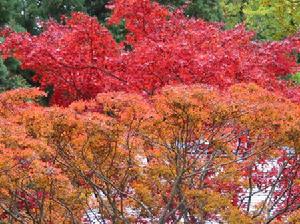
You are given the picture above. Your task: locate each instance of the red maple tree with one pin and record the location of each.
(80, 57)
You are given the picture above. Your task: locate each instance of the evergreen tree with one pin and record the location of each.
(97, 8)
(8, 80)
(6, 11)
(209, 10)
(56, 8)
(3, 76)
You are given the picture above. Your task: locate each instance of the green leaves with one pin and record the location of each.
(6, 11)
(296, 78)
(271, 19)
(9, 80)
(209, 10)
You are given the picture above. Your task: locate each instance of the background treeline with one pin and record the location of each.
(270, 19)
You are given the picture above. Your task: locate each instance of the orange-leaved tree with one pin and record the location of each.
(188, 154)
(33, 189)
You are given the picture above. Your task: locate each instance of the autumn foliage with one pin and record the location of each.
(183, 121)
(191, 153)
(81, 58)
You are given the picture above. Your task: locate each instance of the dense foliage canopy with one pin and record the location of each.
(191, 153)
(81, 58)
(271, 20)
(154, 117)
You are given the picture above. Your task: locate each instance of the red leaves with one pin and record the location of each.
(143, 18)
(74, 58)
(80, 59)
(29, 200)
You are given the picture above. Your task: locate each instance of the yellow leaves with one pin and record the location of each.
(294, 136)
(215, 203)
(162, 171)
(143, 191)
(294, 218)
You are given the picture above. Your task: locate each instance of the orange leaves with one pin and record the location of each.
(295, 217)
(14, 100)
(187, 147)
(182, 152)
(21, 95)
(28, 167)
(123, 106)
(272, 115)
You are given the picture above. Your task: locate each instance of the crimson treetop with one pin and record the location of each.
(80, 57)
